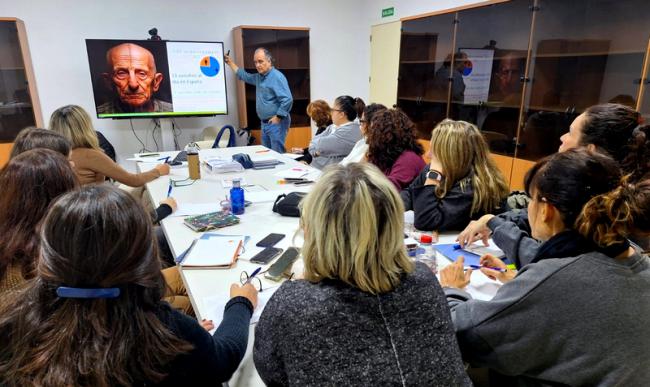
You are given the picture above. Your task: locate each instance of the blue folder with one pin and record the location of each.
(447, 249)
(452, 254)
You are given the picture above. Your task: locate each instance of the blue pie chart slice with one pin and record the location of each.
(209, 66)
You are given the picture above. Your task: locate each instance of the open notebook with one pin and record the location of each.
(213, 252)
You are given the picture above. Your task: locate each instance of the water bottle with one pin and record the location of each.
(237, 197)
(193, 161)
(426, 254)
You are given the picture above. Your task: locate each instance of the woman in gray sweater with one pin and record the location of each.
(579, 314)
(364, 314)
(336, 142)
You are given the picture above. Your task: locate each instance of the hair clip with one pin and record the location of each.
(67, 292)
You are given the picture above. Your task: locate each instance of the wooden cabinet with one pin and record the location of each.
(424, 70)
(522, 70)
(19, 106)
(289, 47)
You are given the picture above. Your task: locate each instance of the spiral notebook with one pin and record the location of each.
(213, 252)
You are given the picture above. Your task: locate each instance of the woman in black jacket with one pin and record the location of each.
(93, 316)
(461, 183)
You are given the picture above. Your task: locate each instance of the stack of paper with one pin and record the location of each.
(214, 306)
(219, 165)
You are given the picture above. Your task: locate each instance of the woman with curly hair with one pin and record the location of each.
(393, 147)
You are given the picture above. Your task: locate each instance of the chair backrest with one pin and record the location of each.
(225, 138)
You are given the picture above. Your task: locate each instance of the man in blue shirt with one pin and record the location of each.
(273, 98)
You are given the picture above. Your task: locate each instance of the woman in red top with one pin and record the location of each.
(393, 147)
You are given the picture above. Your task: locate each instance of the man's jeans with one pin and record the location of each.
(273, 135)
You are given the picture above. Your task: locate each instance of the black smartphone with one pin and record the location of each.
(265, 256)
(180, 157)
(270, 240)
(283, 264)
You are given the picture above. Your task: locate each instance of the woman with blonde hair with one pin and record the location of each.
(91, 164)
(364, 314)
(461, 183)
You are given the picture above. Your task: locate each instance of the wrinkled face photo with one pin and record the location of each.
(133, 74)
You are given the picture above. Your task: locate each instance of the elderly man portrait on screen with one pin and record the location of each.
(133, 79)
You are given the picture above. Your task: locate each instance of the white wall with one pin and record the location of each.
(406, 8)
(56, 31)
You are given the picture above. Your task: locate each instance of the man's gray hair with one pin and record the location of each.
(266, 52)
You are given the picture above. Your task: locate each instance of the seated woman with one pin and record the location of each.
(32, 138)
(319, 112)
(393, 147)
(358, 153)
(582, 307)
(611, 129)
(364, 314)
(461, 183)
(30, 181)
(91, 164)
(94, 314)
(338, 139)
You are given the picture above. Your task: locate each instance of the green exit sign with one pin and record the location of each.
(386, 12)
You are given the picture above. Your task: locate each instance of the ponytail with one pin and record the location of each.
(351, 107)
(359, 106)
(608, 219)
(637, 161)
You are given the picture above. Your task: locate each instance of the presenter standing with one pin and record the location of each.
(273, 98)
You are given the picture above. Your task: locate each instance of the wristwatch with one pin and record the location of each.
(435, 176)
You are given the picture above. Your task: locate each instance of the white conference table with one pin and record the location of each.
(257, 221)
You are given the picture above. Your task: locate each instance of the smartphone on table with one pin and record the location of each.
(283, 265)
(270, 240)
(265, 256)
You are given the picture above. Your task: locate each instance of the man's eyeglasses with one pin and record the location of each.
(362, 121)
(182, 183)
(256, 282)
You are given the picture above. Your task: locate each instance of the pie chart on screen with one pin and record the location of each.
(209, 66)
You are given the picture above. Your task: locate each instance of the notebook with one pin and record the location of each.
(213, 252)
(210, 221)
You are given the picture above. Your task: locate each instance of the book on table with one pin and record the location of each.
(210, 221)
(213, 253)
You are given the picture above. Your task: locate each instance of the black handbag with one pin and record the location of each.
(287, 204)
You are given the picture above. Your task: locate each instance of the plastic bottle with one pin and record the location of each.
(237, 197)
(426, 253)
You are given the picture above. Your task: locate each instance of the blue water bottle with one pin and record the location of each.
(237, 197)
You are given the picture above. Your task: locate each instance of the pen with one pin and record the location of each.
(253, 275)
(169, 190)
(487, 267)
(457, 246)
(164, 158)
(263, 151)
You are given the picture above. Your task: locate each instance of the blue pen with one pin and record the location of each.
(169, 190)
(164, 158)
(487, 267)
(253, 275)
(457, 246)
